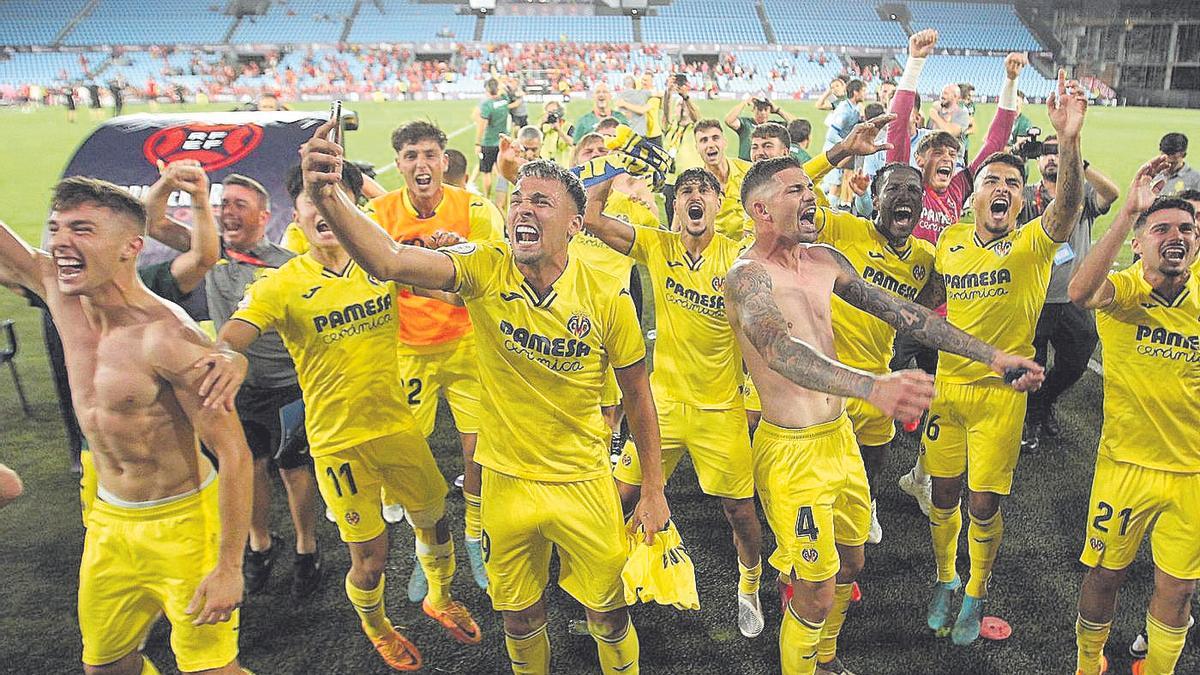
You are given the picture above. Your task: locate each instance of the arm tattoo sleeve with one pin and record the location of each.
(1062, 215)
(749, 291)
(907, 317)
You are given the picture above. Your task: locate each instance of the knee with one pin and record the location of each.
(1105, 580)
(524, 621)
(850, 567)
(946, 492)
(1177, 592)
(608, 625)
(130, 663)
(739, 511)
(984, 505)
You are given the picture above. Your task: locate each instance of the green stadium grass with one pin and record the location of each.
(1034, 587)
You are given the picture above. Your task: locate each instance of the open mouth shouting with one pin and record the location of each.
(69, 267)
(809, 215)
(695, 210)
(423, 180)
(998, 207)
(526, 235)
(323, 227)
(1174, 252)
(902, 214)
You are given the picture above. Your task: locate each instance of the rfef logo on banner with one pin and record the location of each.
(215, 146)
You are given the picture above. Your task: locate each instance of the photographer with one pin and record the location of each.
(556, 134)
(1069, 328)
(744, 126)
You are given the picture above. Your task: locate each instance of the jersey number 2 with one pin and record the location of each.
(1106, 514)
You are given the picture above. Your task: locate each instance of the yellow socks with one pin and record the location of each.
(944, 525)
(618, 655)
(148, 668)
(438, 562)
(798, 644)
(369, 605)
(748, 577)
(827, 647)
(472, 529)
(983, 543)
(1090, 638)
(530, 654)
(1164, 646)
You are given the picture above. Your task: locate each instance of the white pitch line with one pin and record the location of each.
(392, 165)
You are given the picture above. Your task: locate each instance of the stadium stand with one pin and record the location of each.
(560, 28)
(831, 22)
(296, 21)
(130, 22)
(779, 72)
(404, 21)
(975, 26)
(985, 72)
(35, 23)
(686, 21)
(50, 68)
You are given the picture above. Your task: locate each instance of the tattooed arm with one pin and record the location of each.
(922, 324)
(749, 298)
(748, 291)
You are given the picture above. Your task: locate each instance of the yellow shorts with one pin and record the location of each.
(717, 441)
(1128, 499)
(400, 465)
(974, 429)
(813, 488)
(871, 427)
(524, 519)
(610, 391)
(452, 369)
(88, 483)
(750, 396)
(138, 562)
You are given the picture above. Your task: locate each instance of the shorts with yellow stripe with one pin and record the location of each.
(813, 488)
(1128, 499)
(141, 561)
(717, 441)
(451, 370)
(400, 465)
(523, 520)
(974, 429)
(872, 427)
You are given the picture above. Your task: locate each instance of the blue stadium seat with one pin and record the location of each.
(985, 72)
(832, 22)
(558, 28)
(296, 21)
(35, 23)
(689, 21)
(405, 21)
(163, 22)
(976, 26)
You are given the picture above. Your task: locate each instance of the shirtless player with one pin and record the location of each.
(162, 537)
(807, 468)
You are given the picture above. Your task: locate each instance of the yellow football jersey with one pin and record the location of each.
(864, 341)
(1151, 374)
(542, 362)
(696, 357)
(994, 291)
(341, 331)
(732, 220)
(293, 239)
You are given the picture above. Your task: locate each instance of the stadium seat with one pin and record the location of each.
(980, 26)
(985, 72)
(35, 23)
(132, 22)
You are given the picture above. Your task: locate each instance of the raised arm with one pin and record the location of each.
(1000, 129)
(615, 232)
(371, 247)
(920, 46)
(20, 263)
(1106, 189)
(1066, 108)
(173, 350)
(731, 118)
(925, 326)
(749, 296)
(1090, 287)
(861, 140)
(203, 245)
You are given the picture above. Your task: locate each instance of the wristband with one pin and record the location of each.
(912, 72)
(1008, 95)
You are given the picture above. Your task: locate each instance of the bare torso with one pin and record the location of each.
(802, 287)
(143, 445)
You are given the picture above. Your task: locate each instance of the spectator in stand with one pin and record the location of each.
(744, 126)
(1178, 176)
(800, 132)
(601, 108)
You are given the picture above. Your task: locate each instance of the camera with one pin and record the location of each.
(680, 79)
(554, 117)
(1032, 147)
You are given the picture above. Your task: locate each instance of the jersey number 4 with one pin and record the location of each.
(806, 526)
(345, 472)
